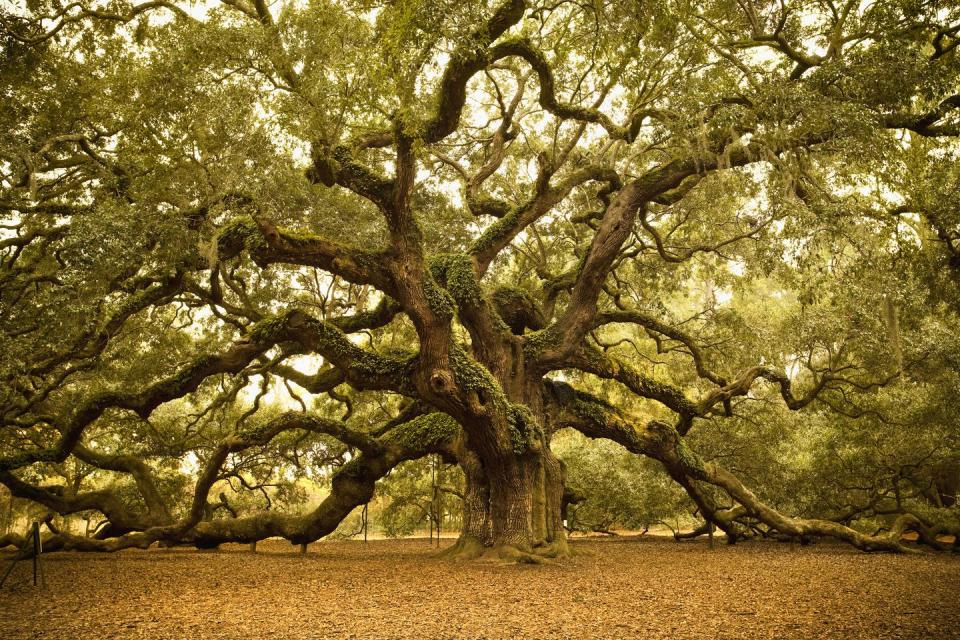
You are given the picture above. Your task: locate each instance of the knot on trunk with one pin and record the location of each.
(441, 381)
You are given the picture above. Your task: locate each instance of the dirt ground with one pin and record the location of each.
(620, 588)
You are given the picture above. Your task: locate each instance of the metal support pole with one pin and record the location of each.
(37, 550)
(433, 497)
(434, 510)
(437, 498)
(364, 518)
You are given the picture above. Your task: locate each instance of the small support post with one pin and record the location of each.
(710, 527)
(434, 505)
(37, 550)
(253, 547)
(303, 548)
(433, 482)
(363, 519)
(439, 497)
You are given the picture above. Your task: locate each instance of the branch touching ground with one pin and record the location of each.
(351, 486)
(597, 419)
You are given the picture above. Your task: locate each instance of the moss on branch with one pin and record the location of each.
(425, 433)
(455, 271)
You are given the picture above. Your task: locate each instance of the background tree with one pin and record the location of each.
(246, 241)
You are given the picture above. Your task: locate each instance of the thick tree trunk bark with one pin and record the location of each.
(513, 504)
(476, 534)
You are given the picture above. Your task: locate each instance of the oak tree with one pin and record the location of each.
(247, 236)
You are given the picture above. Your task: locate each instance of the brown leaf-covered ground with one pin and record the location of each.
(622, 588)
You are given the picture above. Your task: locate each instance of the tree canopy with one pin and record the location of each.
(246, 243)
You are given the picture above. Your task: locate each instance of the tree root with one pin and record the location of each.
(513, 554)
(465, 548)
(556, 549)
(468, 548)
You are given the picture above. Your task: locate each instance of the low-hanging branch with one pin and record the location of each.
(351, 486)
(657, 440)
(363, 369)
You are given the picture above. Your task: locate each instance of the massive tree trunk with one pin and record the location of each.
(512, 506)
(514, 483)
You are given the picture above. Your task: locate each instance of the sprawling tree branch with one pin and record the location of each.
(660, 441)
(269, 245)
(351, 486)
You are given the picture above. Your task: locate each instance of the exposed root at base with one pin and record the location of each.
(510, 553)
(555, 549)
(465, 548)
(469, 548)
